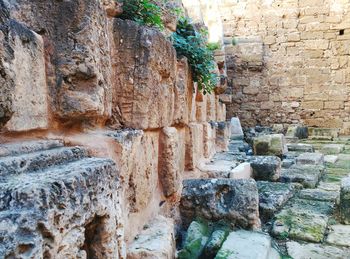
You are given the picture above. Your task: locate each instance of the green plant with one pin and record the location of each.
(213, 46)
(192, 44)
(145, 12)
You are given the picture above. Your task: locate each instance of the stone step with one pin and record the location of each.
(61, 201)
(316, 251)
(247, 245)
(155, 241)
(272, 197)
(298, 147)
(12, 149)
(303, 219)
(40, 160)
(307, 175)
(26, 190)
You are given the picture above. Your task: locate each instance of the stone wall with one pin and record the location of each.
(72, 72)
(289, 62)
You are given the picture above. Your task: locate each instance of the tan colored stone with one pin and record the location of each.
(209, 138)
(171, 160)
(144, 92)
(24, 92)
(182, 95)
(194, 145)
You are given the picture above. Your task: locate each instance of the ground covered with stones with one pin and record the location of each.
(303, 192)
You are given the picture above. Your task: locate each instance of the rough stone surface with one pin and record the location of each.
(310, 159)
(323, 133)
(24, 92)
(25, 147)
(235, 201)
(318, 195)
(194, 145)
(182, 93)
(196, 238)
(345, 200)
(331, 159)
(303, 148)
(239, 244)
(272, 196)
(78, 57)
(218, 169)
(222, 135)
(307, 175)
(145, 78)
(236, 129)
(155, 241)
(297, 131)
(80, 223)
(242, 171)
(330, 149)
(266, 168)
(171, 160)
(303, 220)
(339, 235)
(209, 139)
(270, 145)
(307, 251)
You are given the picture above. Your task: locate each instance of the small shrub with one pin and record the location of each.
(214, 46)
(145, 12)
(192, 44)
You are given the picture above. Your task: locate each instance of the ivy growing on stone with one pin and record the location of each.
(192, 44)
(144, 12)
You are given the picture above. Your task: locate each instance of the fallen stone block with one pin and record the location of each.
(157, 240)
(331, 149)
(319, 251)
(318, 195)
(345, 201)
(234, 201)
(303, 220)
(218, 168)
(215, 242)
(242, 171)
(273, 144)
(330, 159)
(272, 197)
(246, 244)
(339, 235)
(302, 148)
(307, 175)
(266, 168)
(323, 133)
(196, 238)
(236, 129)
(287, 163)
(297, 131)
(310, 159)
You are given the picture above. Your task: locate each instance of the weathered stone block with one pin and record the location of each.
(245, 244)
(211, 107)
(298, 147)
(266, 168)
(310, 159)
(272, 196)
(155, 241)
(345, 201)
(333, 148)
(236, 129)
(182, 95)
(242, 171)
(297, 131)
(144, 92)
(222, 136)
(307, 175)
(235, 201)
(220, 110)
(24, 92)
(209, 138)
(218, 169)
(171, 158)
(273, 144)
(323, 133)
(194, 145)
(339, 235)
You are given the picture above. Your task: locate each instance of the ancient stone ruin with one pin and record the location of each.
(112, 146)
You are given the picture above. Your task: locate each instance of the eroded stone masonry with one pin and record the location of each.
(109, 150)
